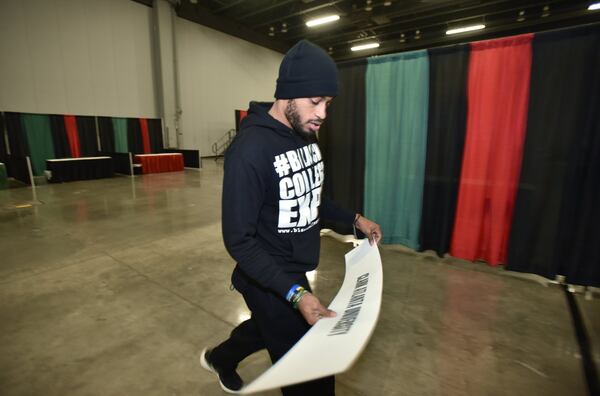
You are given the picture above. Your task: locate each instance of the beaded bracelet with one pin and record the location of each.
(297, 297)
(358, 215)
(295, 294)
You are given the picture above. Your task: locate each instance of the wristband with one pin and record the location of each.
(293, 290)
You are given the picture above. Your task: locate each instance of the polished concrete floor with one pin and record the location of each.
(112, 287)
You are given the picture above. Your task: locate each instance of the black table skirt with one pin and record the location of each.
(63, 170)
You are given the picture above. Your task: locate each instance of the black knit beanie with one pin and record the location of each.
(306, 71)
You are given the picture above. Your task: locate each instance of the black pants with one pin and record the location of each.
(274, 325)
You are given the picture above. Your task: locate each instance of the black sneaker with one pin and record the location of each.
(230, 380)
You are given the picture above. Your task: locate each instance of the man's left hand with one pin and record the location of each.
(371, 229)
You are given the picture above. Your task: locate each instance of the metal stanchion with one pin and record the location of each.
(31, 179)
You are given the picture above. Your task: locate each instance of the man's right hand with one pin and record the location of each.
(312, 310)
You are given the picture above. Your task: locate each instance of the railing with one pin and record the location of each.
(219, 147)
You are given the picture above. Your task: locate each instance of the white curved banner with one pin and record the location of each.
(333, 344)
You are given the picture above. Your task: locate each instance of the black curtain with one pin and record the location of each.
(134, 136)
(155, 134)
(446, 130)
(3, 152)
(16, 134)
(88, 142)
(62, 149)
(556, 221)
(191, 158)
(107, 134)
(342, 142)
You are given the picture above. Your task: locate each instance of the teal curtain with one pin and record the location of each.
(396, 139)
(39, 139)
(120, 131)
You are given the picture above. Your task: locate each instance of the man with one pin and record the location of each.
(271, 209)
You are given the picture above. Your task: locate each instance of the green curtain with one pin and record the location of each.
(39, 139)
(396, 139)
(120, 131)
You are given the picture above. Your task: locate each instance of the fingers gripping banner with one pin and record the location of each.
(333, 344)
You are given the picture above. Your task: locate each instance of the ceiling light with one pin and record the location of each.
(364, 46)
(271, 31)
(368, 6)
(322, 20)
(545, 11)
(594, 7)
(465, 29)
(521, 17)
(417, 34)
(284, 27)
(402, 38)
(387, 3)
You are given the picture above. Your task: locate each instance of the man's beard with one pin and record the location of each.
(291, 113)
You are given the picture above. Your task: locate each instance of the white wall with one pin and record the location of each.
(218, 74)
(86, 57)
(95, 57)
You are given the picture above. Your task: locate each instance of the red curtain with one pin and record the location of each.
(72, 135)
(239, 116)
(498, 95)
(145, 135)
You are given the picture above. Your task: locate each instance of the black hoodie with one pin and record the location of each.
(272, 201)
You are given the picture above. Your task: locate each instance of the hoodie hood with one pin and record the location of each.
(258, 116)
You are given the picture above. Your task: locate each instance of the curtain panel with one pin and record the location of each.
(342, 142)
(445, 143)
(16, 134)
(155, 134)
(498, 95)
(397, 89)
(38, 134)
(88, 139)
(555, 226)
(145, 136)
(59, 136)
(3, 148)
(120, 131)
(134, 136)
(107, 135)
(72, 135)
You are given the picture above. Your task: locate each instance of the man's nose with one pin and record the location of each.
(322, 111)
